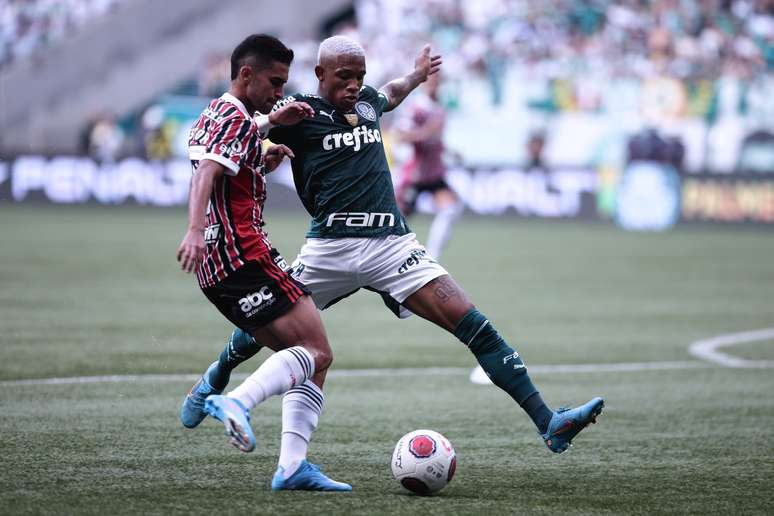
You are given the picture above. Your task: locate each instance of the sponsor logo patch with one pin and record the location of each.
(234, 149)
(416, 256)
(297, 269)
(366, 110)
(257, 301)
(211, 234)
(283, 102)
(517, 362)
(212, 114)
(281, 263)
(356, 139)
(362, 219)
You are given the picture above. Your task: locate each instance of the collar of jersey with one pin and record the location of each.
(228, 97)
(320, 97)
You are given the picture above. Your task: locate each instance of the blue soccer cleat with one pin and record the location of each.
(307, 477)
(236, 419)
(566, 423)
(192, 412)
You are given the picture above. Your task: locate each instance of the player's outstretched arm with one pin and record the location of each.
(425, 65)
(191, 250)
(290, 114)
(287, 114)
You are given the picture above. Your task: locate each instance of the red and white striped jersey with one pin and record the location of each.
(227, 134)
(426, 165)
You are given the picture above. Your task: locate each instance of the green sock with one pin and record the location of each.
(503, 365)
(240, 347)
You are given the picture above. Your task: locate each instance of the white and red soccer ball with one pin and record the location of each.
(424, 461)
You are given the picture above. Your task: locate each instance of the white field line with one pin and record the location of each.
(703, 349)
(364, 373)
(707, 349)
(478, 376)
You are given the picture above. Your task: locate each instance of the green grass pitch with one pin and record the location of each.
(97, 291)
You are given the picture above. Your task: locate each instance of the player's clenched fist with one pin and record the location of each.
(191, 250)
(291, 114)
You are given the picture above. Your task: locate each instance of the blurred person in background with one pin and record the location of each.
(535, 146)
(422, 126)
(106, 139)
(157, 134)
(214, 76)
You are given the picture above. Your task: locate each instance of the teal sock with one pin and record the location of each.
(503, 365)
(240, 347)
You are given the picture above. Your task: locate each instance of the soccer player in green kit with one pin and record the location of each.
(359, 239)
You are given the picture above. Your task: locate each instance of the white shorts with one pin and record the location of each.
(393, 266)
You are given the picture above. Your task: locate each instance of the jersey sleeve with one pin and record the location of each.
(228, 144)
(281, 133)
(377, 98)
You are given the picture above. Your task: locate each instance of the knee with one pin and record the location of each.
(324, 359)
(322, 354)
(458, 312)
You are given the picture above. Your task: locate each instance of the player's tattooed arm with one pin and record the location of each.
(425, 65)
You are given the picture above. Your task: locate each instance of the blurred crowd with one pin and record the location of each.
(562, 38)
(642, 63)
(27, 25)
(579, 47)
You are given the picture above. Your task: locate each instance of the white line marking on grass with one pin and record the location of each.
(115, 378)
(478, 376)
(187, 377)
(368, 373)
(707, 349)
(619, 367)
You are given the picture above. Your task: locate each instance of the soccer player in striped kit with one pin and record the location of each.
(237, 268)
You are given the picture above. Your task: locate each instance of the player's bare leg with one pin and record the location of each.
(301, 348)
(297, 369)
(443, 302)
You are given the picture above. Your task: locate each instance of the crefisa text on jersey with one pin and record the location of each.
(351, 139)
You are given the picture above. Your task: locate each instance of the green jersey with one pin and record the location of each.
(340, 170)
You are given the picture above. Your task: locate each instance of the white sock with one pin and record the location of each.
(440, 229)
(280, 372)
(301, 408)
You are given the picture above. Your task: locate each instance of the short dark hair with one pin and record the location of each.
(264, 49)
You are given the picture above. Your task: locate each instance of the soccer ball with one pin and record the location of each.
(423, 462)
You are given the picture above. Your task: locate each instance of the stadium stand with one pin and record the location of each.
(124, 58)
(580, 66)
(587, 74)
(29, 26)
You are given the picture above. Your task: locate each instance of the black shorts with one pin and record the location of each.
(410, 193)
(432, 187)
(257, 293)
